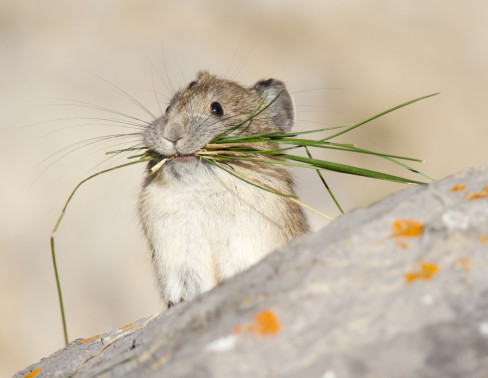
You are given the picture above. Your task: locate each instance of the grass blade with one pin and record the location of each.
(260, 185)
(249, 180)
(53, 232)
(325, 165)
(325, 183)
(342, 168)
(380, 115)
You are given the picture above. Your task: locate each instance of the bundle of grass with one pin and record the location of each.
(277, 147)
(230, 147)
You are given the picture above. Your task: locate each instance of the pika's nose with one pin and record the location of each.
(173, 133)
(174, 141)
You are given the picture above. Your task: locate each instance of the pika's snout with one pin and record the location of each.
(173, 132)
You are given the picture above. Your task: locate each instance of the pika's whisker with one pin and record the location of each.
(125, 95)
(88, 105)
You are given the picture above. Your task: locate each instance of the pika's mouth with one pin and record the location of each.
(186, 158)
(160, 160)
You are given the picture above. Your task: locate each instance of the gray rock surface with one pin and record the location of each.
(352, 300)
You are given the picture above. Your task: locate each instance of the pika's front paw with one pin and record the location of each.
(171, 303)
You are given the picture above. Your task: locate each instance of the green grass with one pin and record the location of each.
(227, 148)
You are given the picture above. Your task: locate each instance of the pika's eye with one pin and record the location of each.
(216, 109)
(191, 84)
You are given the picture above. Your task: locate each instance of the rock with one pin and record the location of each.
(398, 289)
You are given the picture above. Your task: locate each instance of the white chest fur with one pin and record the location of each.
(203, 231)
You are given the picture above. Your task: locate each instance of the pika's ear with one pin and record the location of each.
(202, 75)
(281, 111)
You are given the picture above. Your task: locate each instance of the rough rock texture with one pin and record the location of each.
(363, 297)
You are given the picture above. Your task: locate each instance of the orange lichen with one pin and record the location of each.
(33, 373)
(426, 272)
(484, 239)
(402, 245)
(406, 228)
(89, 339)
(480, 195)
(266, 323)
(458, 188)
(127, 326)
(465, 263)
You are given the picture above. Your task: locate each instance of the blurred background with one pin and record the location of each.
(342, 61)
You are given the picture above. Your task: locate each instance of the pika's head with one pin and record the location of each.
(209, 106)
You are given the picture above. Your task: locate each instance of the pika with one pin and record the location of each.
(202, 224)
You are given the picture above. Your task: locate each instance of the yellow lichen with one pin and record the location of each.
(89, 339)
(457, 188)
(406, 228)
(33, 373)
(402, 245)
(426, 272)
(266, 323)
(479, 195)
